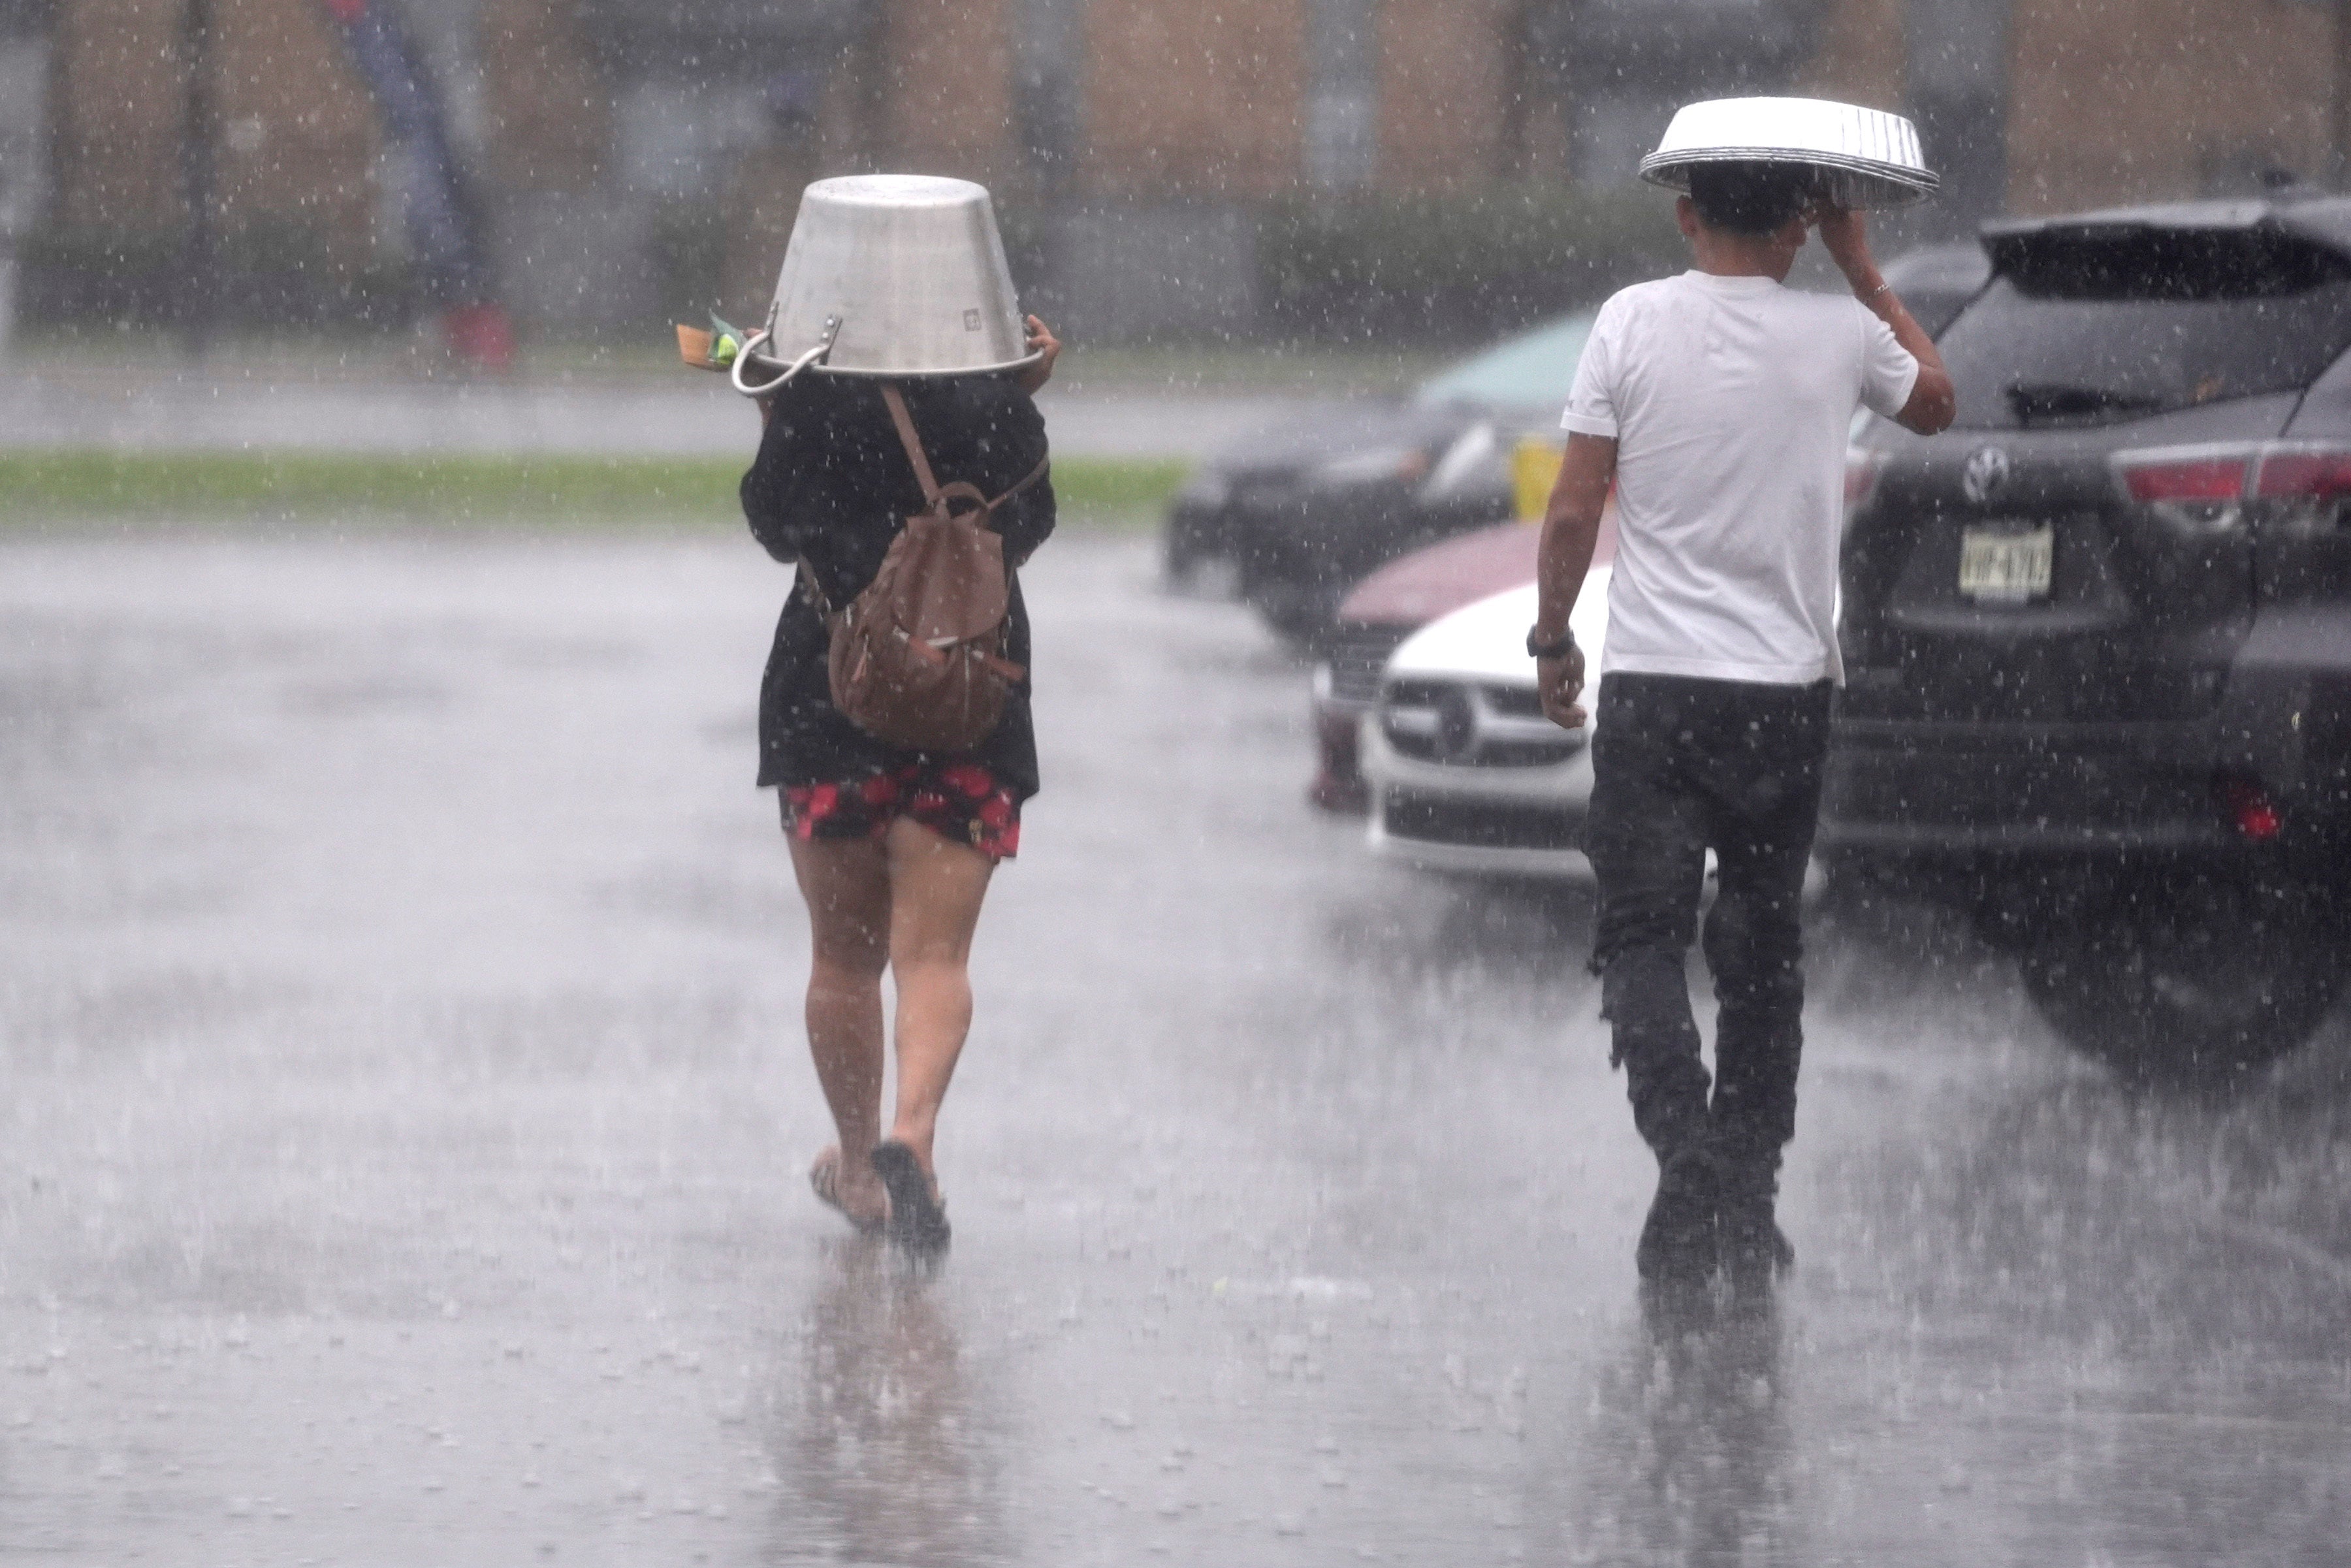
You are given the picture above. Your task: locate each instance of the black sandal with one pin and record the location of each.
(918, 1222)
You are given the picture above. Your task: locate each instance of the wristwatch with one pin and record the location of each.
(1558, 649)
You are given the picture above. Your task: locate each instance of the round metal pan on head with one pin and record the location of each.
(891, 275)
(1866, 157)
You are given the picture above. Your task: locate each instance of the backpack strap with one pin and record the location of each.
(1026, 480)
(932, 492)
(911, 442)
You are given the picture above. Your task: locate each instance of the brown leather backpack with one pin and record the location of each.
(917, 659)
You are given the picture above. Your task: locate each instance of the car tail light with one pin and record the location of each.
(1861, 471)
(2151, 479)
(2249, 807)
(2198, 490)
(2291, 474)
(2304, 488)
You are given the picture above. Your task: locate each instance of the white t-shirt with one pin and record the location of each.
(1730, 400)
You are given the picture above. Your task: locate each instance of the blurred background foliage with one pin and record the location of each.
(268, 275)
(1412, 267)
(1403, 268)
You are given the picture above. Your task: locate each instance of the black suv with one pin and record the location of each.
(2098, 634)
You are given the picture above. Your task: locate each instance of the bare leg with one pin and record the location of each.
(936, 886)
(847, 887)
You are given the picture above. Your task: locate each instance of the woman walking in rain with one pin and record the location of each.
(893, 843)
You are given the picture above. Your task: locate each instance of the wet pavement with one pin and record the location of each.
(324, 406)
(401, 1158)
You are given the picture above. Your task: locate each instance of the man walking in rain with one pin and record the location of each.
(1717, 405)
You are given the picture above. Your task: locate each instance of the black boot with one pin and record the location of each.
(1755, 1250)
(1679, 1240)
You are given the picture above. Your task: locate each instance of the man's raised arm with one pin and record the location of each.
(1933, 404)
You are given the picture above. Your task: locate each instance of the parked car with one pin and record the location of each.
(1374, 618)
(1398, 598)
(1466, 774)
(1306, 509)
(2098, 634)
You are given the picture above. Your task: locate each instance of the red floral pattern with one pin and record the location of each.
(959, 801)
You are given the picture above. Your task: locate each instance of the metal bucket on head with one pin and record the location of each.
(1861, 157)
(890, 275)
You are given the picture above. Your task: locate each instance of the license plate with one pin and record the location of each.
(2000, 568)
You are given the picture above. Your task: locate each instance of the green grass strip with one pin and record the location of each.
(524, 487)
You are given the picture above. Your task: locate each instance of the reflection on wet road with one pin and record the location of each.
(402, 1155)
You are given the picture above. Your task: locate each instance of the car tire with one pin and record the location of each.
(2196, 988)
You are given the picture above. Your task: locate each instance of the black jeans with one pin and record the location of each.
(1681, 765)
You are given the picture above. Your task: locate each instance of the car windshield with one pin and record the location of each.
(2086, 336)
(1533, 370)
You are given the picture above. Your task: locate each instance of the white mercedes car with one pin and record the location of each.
(1466, 774)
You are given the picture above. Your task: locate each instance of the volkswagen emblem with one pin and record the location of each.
(1456, 725)
(1986, 474)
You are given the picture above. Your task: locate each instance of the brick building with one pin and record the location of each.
(617, 147)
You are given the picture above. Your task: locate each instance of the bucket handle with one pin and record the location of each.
(751, 344)
(766, 334)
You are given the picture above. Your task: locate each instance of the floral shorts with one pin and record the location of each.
(961, 801)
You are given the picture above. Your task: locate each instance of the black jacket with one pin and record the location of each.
(832, 485)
